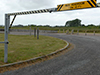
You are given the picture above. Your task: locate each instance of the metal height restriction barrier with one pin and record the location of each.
(8, 25)
(63, 7)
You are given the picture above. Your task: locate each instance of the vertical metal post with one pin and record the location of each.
(77, 32)
(34, 32)
(7, 22)
(37, 33)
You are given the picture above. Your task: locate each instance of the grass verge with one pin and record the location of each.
(23, 47)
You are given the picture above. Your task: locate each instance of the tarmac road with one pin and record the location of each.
(84, 59)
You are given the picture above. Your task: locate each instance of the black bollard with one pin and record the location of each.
(34, 32)
(37, 33)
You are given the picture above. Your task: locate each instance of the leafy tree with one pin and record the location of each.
(33, 25)
(73, 23)
(46, 25)
(83, 25)
(18, 25)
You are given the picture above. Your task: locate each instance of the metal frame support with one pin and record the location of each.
(2, 42)
(7, 23)
(12, 22)
(5, 42)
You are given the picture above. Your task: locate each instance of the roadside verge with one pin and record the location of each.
(21, 64)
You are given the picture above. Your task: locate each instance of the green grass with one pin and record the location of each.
(1, 27)
(23, 47)
(81, 29)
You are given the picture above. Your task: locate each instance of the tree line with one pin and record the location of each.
(71, 23)
(77, 23)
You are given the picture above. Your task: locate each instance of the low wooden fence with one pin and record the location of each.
(23, 30)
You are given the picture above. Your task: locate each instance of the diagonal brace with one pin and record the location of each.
(12, 22)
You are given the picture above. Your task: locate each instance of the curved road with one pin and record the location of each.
(84, 59)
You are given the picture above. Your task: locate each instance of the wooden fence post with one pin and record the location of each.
(77, 32)
(72, 32)
(34, 32)
(37, 33)
(94, 33)
(67, 31)
(85, 32)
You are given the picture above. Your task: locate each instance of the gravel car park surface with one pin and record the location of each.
(84, 59)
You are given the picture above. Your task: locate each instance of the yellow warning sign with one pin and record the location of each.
(77, 5)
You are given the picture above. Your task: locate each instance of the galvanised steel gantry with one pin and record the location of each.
(62, 7)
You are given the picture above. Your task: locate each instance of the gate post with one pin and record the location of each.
(7, 23)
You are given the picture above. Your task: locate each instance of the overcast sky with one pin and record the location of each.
(88, 16)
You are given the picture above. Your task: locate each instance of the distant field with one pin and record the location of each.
(60, 29)
(22, 47)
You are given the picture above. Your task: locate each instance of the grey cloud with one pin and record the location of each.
(87, 16)
(36, 4)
